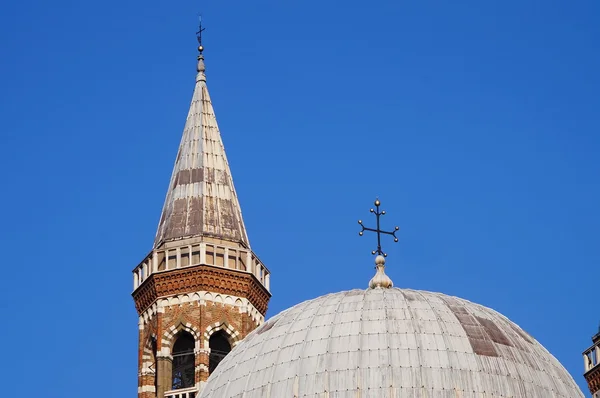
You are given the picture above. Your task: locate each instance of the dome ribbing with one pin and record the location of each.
(390, 343)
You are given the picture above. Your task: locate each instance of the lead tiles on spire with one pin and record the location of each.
(201, 199)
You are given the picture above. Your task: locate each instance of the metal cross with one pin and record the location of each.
(200, 30)
(378, 230)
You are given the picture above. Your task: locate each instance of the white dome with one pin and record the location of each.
(389, 343)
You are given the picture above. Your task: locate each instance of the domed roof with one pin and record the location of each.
(389, 343)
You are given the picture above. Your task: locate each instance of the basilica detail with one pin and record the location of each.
(201, 289)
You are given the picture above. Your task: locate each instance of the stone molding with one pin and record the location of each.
(203, 298)
(167, 338)
(234, 335)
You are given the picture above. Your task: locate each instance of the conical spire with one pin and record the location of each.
(201, 198)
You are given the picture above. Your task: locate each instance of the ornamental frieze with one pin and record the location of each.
(201, 277)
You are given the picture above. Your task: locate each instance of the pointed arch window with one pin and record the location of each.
(153, 366)
(219, 348)
(183, 361)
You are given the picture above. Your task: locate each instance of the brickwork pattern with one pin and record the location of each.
(593, 379)
(147, 359)
(201, 318)
(201, 278)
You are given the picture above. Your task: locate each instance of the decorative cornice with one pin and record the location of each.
(201, 277)
(592, 377)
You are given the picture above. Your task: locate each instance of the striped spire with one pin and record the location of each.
(201, 199)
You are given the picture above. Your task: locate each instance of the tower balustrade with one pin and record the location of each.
(217, 255)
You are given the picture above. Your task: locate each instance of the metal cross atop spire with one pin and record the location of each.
(199, 34)
(378, 230)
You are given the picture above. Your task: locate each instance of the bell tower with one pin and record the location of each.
(591, 363)
(201, 289)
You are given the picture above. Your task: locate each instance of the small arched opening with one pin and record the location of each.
(183, 361)
(154, 365)
(219, 348)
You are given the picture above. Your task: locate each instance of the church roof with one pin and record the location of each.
(390, 343)
(201, 199)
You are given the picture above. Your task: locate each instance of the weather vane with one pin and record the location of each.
(378, 230)
(199, 34)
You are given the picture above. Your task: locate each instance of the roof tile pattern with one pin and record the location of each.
(201, 199)
(390, 343)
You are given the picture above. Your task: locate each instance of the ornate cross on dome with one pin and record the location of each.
(378, 230)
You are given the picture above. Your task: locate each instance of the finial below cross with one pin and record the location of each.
(378, 230)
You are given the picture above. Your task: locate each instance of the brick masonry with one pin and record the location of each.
(593, 379)
(199, 312)
(201, 217)
(201, 278)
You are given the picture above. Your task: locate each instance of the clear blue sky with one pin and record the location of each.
(476, 122)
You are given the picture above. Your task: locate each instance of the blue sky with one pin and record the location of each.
(476, 123)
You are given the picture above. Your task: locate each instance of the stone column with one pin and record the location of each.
(249, 264)
(586, 362)
(164, 368)
(202, 360)
(202, 253)
(136, 279)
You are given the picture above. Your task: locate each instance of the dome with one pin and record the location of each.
(392, 343)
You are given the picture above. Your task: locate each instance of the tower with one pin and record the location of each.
(591, 360)
(201, 289)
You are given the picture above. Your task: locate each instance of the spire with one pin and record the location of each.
(200, 68)
(201, 199)
(596, 337)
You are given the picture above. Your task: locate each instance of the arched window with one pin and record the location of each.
(183, 361)
(153, 366)
(219, 347)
